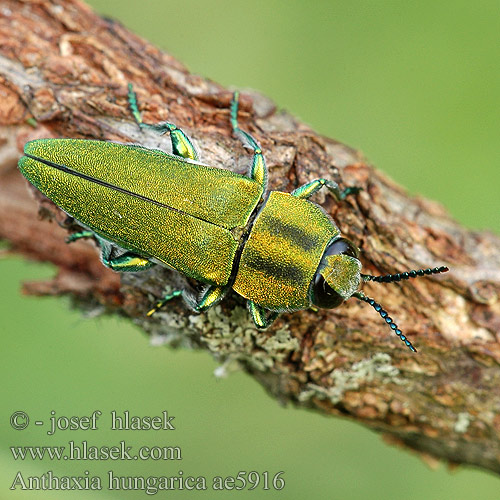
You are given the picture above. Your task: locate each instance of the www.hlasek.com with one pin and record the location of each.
(84, 451)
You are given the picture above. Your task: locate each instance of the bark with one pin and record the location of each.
(64, 72)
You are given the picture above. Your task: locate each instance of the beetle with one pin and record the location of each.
(279, 251)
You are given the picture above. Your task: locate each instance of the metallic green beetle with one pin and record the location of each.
(143, 206)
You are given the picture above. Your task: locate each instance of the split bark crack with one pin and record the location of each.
(68, 69)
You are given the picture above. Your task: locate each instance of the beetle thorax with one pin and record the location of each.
(282, 253)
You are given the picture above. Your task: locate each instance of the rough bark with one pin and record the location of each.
(67, 68)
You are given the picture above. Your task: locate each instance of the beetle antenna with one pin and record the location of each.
(390, 278)
(385, 317)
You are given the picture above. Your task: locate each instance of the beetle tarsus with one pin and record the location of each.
(351, 190)
(134, 108)
(162, 302)
(307, 190)
(258, 169)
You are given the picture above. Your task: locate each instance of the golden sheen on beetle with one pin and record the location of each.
(143, 207)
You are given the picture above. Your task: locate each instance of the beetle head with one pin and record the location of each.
(338, 278)
(338, 275)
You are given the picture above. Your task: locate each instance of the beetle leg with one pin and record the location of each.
(211, 296)
(126, 262)
(259, 316)
(307, 190)
(162, 302)
(258, 169)
(181, 144)
(79, 235)
(134, 108)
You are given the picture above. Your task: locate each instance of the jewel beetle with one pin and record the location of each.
(143, 207)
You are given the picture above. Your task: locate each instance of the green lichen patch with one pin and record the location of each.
(463, 421)
(378, 367)
(235, 337)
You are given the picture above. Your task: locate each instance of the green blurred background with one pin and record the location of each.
(415, 85)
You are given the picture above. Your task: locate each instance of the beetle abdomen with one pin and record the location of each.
(282, 253)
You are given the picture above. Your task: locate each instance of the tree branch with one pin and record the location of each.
(68, 69)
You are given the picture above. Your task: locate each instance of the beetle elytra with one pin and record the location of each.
(279, 251)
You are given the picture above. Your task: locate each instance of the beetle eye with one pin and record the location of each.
(323, 295)
(342, 246)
